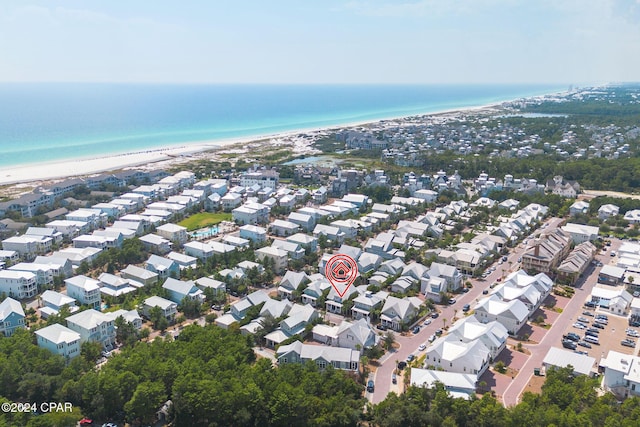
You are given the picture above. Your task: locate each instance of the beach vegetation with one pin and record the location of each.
(204, 219)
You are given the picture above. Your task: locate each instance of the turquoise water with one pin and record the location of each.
(59, 121)
(203, 234)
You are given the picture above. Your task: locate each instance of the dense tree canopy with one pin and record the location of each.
(213, 379)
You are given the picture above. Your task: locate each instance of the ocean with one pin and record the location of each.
(44, 122)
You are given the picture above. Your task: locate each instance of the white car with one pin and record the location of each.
(427, 322)
(422, 347)
(579, 325)
(432, 338)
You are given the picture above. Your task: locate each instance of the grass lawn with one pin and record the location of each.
(204, 219)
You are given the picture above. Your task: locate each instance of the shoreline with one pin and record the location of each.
(58, 170)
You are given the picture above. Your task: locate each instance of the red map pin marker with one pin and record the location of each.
(341, 271)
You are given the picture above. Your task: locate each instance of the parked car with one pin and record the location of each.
(427, 322)
(504, 259)
(466, 308)
(422, 347)
(394, 379)
(594, 330)
(628, 343)
(434, 315)
(579, 325)
(602, 316)
(410, 358)
(432, 338)
(439, 332)
(370, 386)
(381, 327)
(587, 313)
(416, 329)
(590, 333)
(569, 344)
(584, 344)
(601, 321)
(486, 291)
(572, 336)
(597, 325)
(633, 333)
(452, 301)
(583, 319)
(581, 352)
(613, 253)
(591, 339)
(590, 304)
(402, 365)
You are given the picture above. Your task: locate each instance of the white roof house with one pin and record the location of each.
(53, 302)
(621, 374)
(512, 315)
(617, 301)
(168, 308)
(131, 316)
(59, 340)
(580, 232)
(453, 355)
(458, 385)
(493, 334)
(529, 295)
(582, 364)
(84, 289)
(93, 326)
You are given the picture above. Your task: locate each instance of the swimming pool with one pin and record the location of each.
(203, 233)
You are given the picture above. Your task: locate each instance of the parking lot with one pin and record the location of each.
(610, 337)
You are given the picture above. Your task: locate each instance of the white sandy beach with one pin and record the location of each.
(172, 154)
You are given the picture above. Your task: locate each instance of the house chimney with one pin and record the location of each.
(536, 248)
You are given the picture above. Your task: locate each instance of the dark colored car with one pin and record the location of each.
(572, 336)
(597, 325)
(628, 343)
(569, 344)
(381, 327)
(370, 386)
(434, 315)
(402, 365)
(410, 358)
(416, 329)
(486, 291)
(466, 308)
(584, 344)
(439, 332)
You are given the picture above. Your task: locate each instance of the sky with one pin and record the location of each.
(322, 41)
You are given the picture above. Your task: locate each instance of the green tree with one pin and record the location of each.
(146, 400)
